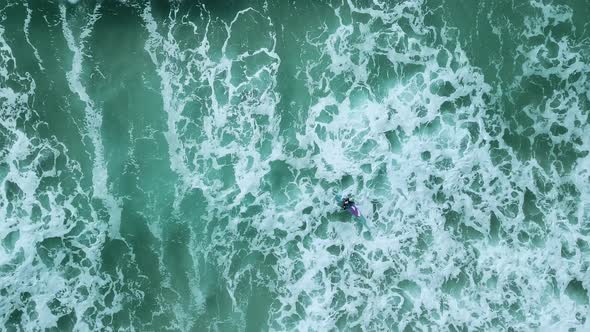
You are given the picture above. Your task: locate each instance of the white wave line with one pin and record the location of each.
(171, 107)
(26, 29)
(93, 119)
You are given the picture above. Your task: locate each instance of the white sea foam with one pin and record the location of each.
(26, 30)
(473, 183)
(93, 118)
(51, 237)
(467, 227)
(201, 133)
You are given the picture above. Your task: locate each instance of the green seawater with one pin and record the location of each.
(173, 165)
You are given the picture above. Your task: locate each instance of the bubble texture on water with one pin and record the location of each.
(175, 165)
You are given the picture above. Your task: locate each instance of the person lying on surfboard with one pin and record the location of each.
(348, 205)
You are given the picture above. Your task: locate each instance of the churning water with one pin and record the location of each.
(173, 165)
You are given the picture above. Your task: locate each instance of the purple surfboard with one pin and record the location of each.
(354, 211)
(351, 209)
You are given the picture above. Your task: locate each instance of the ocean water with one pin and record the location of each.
(173, 166)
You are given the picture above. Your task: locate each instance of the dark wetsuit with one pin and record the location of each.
(346, 203)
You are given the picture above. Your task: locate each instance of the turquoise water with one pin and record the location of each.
(172, 166)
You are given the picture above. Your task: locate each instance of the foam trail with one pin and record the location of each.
(50, 251)
(93, 118)
(26, 29)
(469, 163)
(171, 90)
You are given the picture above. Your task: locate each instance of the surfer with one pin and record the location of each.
(347, 203)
